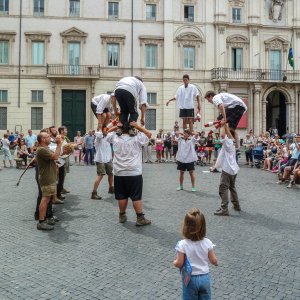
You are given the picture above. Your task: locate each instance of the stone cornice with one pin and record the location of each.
(112, 38)
(38, 36)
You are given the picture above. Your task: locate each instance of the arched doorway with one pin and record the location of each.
(276, 112)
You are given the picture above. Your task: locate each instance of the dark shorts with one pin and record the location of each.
(128, 105)
(168, 145)
(185, 166)
(233, 116)
(94, 109)
(128, 187)
(187, 113)
(175, 149)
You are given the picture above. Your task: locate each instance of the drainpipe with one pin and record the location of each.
(131, 37)
(20, 42)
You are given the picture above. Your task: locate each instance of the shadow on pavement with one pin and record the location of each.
(267, 222)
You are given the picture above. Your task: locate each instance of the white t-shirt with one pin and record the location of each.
(228, 100)
(5, 144)
(127, 153)
(52, 146)
(186, 150)
(103, 149)
(185, 96)
(226, 160)
(102, 101)
(197, 254)
(135, 87)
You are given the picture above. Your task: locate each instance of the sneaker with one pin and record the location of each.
(122, 218)
(95, 196)
(65, 191)
(237, 207)
(111, 190)
(180, 188)
(58, 201)
(193, 189)
(142, 221)
(291, 184)
(44, 226)
(50, 221)
(221, 212)
(280, 182)
(55, 218)
(61, 197)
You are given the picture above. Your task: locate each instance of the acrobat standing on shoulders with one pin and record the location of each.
(231, 110)
(101, 106)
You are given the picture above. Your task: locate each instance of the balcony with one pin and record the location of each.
(73, 71)
(255, 75)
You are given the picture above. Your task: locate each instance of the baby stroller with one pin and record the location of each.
(258, 155)
(201, 156)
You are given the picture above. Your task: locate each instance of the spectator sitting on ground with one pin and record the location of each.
(296, 177)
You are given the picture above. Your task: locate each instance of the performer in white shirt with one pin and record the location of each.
(101, 106)
(131, 92)
(185, 97)
(127, 169)
(186, 158)
(231, 110)
(226, 163)
(103, 159)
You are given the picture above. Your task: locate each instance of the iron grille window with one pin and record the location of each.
(3, 95)
(36, 118)
(3, 118)
(150, 119)
(37, 96)
(152, 98)
(38, 8)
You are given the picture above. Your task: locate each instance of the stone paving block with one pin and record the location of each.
(90, 255)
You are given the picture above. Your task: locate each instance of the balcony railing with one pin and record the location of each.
(73, 71)
(254, 75)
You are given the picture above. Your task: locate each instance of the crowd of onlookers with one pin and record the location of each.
(269, 151)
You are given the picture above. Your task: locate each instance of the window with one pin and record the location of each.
(37, 53)
(38, 8)
(189, 13)
(150, 119)
(3, 118)
(37, 96)
(275, 64)
(151, 12)
(151, 98)
(113, 55)
(3, 95)
(3, 52)
(113, 10)
(151, 56)
(74, 8)
(189, 57)
(237, 58)
(36, 118)
(4, 7)
(236, 15)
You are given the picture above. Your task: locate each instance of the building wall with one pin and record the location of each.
(212, 33)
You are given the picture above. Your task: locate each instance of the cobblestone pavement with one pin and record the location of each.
(90, 255)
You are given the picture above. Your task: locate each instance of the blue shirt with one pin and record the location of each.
(89, 141)
(30, 140)
(11, 138)
(295, 151)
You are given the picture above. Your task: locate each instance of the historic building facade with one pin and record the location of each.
(55, 55)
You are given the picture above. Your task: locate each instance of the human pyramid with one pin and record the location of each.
(119, 142)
